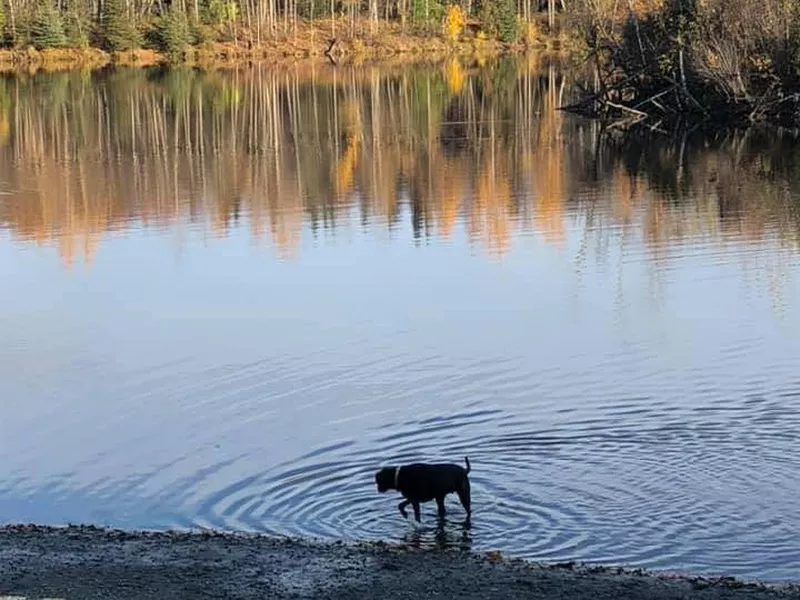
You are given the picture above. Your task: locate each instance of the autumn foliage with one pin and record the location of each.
(453, 22)
(459, 154)
(713, 60)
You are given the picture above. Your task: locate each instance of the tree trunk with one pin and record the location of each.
(313, 30)
(14, 21)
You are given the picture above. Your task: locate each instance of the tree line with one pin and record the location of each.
(173, 25)
(656, 60)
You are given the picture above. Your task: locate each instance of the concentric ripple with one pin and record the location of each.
(639, 483)
(623, 380)
(600, 474)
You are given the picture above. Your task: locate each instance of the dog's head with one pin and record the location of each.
(384, 479)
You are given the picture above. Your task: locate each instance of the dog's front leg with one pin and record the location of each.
(416, 511)
(402, 507)
(440, 504)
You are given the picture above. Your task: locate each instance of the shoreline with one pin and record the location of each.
(312, 44)
(225, 56)
(87, 562)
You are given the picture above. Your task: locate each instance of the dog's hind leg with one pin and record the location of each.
(402, 507)
(416, 510)
(440, 505)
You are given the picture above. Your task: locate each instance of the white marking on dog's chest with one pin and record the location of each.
(396, 477)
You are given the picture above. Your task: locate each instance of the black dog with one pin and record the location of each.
(425, 482)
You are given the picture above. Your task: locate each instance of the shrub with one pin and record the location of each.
(199, 33)
(357, 47)
(724, 59)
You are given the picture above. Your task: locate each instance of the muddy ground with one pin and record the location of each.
(79, 563)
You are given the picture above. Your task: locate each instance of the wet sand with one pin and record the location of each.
(85, 562)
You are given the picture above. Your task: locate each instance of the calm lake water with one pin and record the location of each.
(228, 298)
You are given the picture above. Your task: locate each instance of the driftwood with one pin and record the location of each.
(637, 113)
(653, 99)
(603, 96)
(663, 103)
(329, 52)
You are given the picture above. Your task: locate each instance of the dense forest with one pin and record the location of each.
(172, 25)
(667, 55)
(656, 61)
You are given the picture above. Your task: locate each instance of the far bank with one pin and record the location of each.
(332, 42)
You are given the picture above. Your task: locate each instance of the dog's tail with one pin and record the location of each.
(466, 459)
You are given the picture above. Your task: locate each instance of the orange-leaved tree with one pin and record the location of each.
(454, 22)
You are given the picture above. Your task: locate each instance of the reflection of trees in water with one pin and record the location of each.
(734, 187)
(482, 147)
(675, 194)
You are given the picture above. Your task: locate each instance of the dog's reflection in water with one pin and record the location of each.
(441, 537)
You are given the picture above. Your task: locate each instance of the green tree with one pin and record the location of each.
(499, 19)
(47, 28)
(173, 34)
(76, 30)
(116, 28)
(215, 12)
(3, 35)
(428, 12)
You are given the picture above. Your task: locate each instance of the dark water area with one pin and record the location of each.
(230, 297)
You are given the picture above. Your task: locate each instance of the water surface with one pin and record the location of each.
(230, 297)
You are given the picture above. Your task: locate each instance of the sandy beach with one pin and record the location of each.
(85, 562)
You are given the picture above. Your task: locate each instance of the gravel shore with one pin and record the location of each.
(85, 562)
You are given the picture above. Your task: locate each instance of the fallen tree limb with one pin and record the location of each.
(624, 108)
(655, 97)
